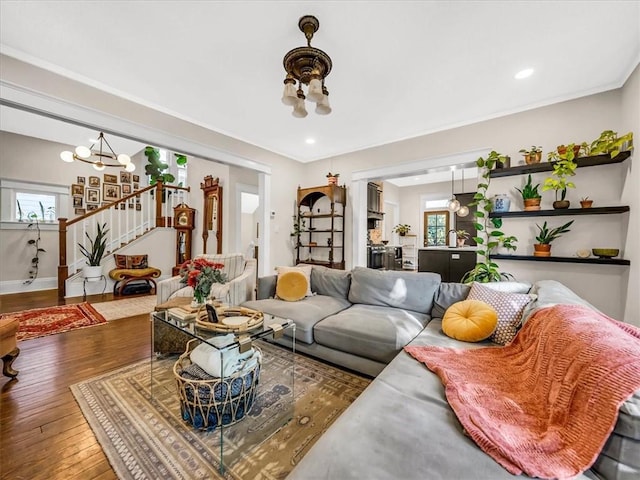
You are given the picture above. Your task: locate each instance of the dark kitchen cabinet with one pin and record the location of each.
(450, 264)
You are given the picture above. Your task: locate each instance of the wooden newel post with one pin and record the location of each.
(63, 268)
(159, 195)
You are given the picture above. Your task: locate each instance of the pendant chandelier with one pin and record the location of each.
(454, 205)
(102, 158)
(308, 66)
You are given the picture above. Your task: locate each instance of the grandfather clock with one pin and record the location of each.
(184, 223)
(212, 211)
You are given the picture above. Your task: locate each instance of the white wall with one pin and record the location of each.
(630, 116)
(609, 288)
(573, 121)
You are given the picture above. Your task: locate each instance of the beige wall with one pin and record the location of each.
(572, 121)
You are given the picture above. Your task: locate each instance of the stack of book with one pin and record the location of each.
(186, 313)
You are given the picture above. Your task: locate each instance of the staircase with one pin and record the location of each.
(127, 219)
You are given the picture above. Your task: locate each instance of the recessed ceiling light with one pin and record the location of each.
(417, 179)
(524, 73)
(310, 141)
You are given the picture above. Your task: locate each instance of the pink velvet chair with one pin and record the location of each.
(9, 350)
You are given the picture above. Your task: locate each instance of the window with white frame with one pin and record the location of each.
(21, 201)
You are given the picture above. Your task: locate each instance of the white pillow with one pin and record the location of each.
(208, 358)
(305, 269)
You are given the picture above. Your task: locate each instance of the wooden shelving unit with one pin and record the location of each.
(329, 235)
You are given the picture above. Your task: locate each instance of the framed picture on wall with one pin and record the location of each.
(80, 211)
(136, 186)
(126, 189)
(108, 178)
(94, 181)
(125, 177)
(123, 206)
(93, 195)
(138, 206)
(136, 178)
(81, 180)
(91, 207)
(77, 202)
(110, 192)
(77, 190)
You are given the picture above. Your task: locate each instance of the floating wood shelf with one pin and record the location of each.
(593, 261)
(562, 212)
(548, 166)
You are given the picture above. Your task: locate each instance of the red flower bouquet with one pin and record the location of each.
(201, 274)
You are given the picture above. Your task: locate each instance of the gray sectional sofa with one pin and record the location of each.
(402, 427)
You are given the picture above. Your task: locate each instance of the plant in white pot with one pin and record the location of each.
(95, 252)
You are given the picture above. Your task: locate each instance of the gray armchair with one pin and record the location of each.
(240, 286)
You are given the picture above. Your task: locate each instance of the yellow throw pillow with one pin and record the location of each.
(470, 321)
(292, 286)
(305, 269)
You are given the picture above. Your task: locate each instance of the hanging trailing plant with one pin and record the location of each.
(35, 244)
(489, 235)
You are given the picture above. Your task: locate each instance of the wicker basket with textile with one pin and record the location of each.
(207, 402)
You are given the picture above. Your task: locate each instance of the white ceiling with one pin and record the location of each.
(401, 68)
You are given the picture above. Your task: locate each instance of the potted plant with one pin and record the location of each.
(530, 195)
(534, 155)
(95, 252)
(402, 229)
(585, 202)
(546, 236)
(332, 178)
(299, 225)
(563, 167)
(609, 143)
(492, 237)
(461, 236)
(155, 168)
(35, 244)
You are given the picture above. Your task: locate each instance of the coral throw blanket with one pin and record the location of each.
(546, 403)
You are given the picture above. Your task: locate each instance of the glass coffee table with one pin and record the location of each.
(238, 410)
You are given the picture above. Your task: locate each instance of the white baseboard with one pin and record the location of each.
(18, 286)
(74, 288)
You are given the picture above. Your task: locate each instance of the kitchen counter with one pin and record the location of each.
(466, 248)
(451, 263)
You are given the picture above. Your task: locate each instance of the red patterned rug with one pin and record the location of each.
(40, 322)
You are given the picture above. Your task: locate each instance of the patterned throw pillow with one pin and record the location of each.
(509, 306)
(131, 262)
(121, 260)
(137, 261)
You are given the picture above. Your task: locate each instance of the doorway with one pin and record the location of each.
(247, 228)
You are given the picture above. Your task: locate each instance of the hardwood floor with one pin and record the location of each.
(43, 434)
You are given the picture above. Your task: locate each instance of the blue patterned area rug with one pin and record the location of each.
(145, 438)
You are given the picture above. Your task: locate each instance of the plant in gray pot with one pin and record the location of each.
(95, 252)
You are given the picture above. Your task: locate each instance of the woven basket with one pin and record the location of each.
(207, 402)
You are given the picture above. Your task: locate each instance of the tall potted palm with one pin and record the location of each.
(95, 252)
